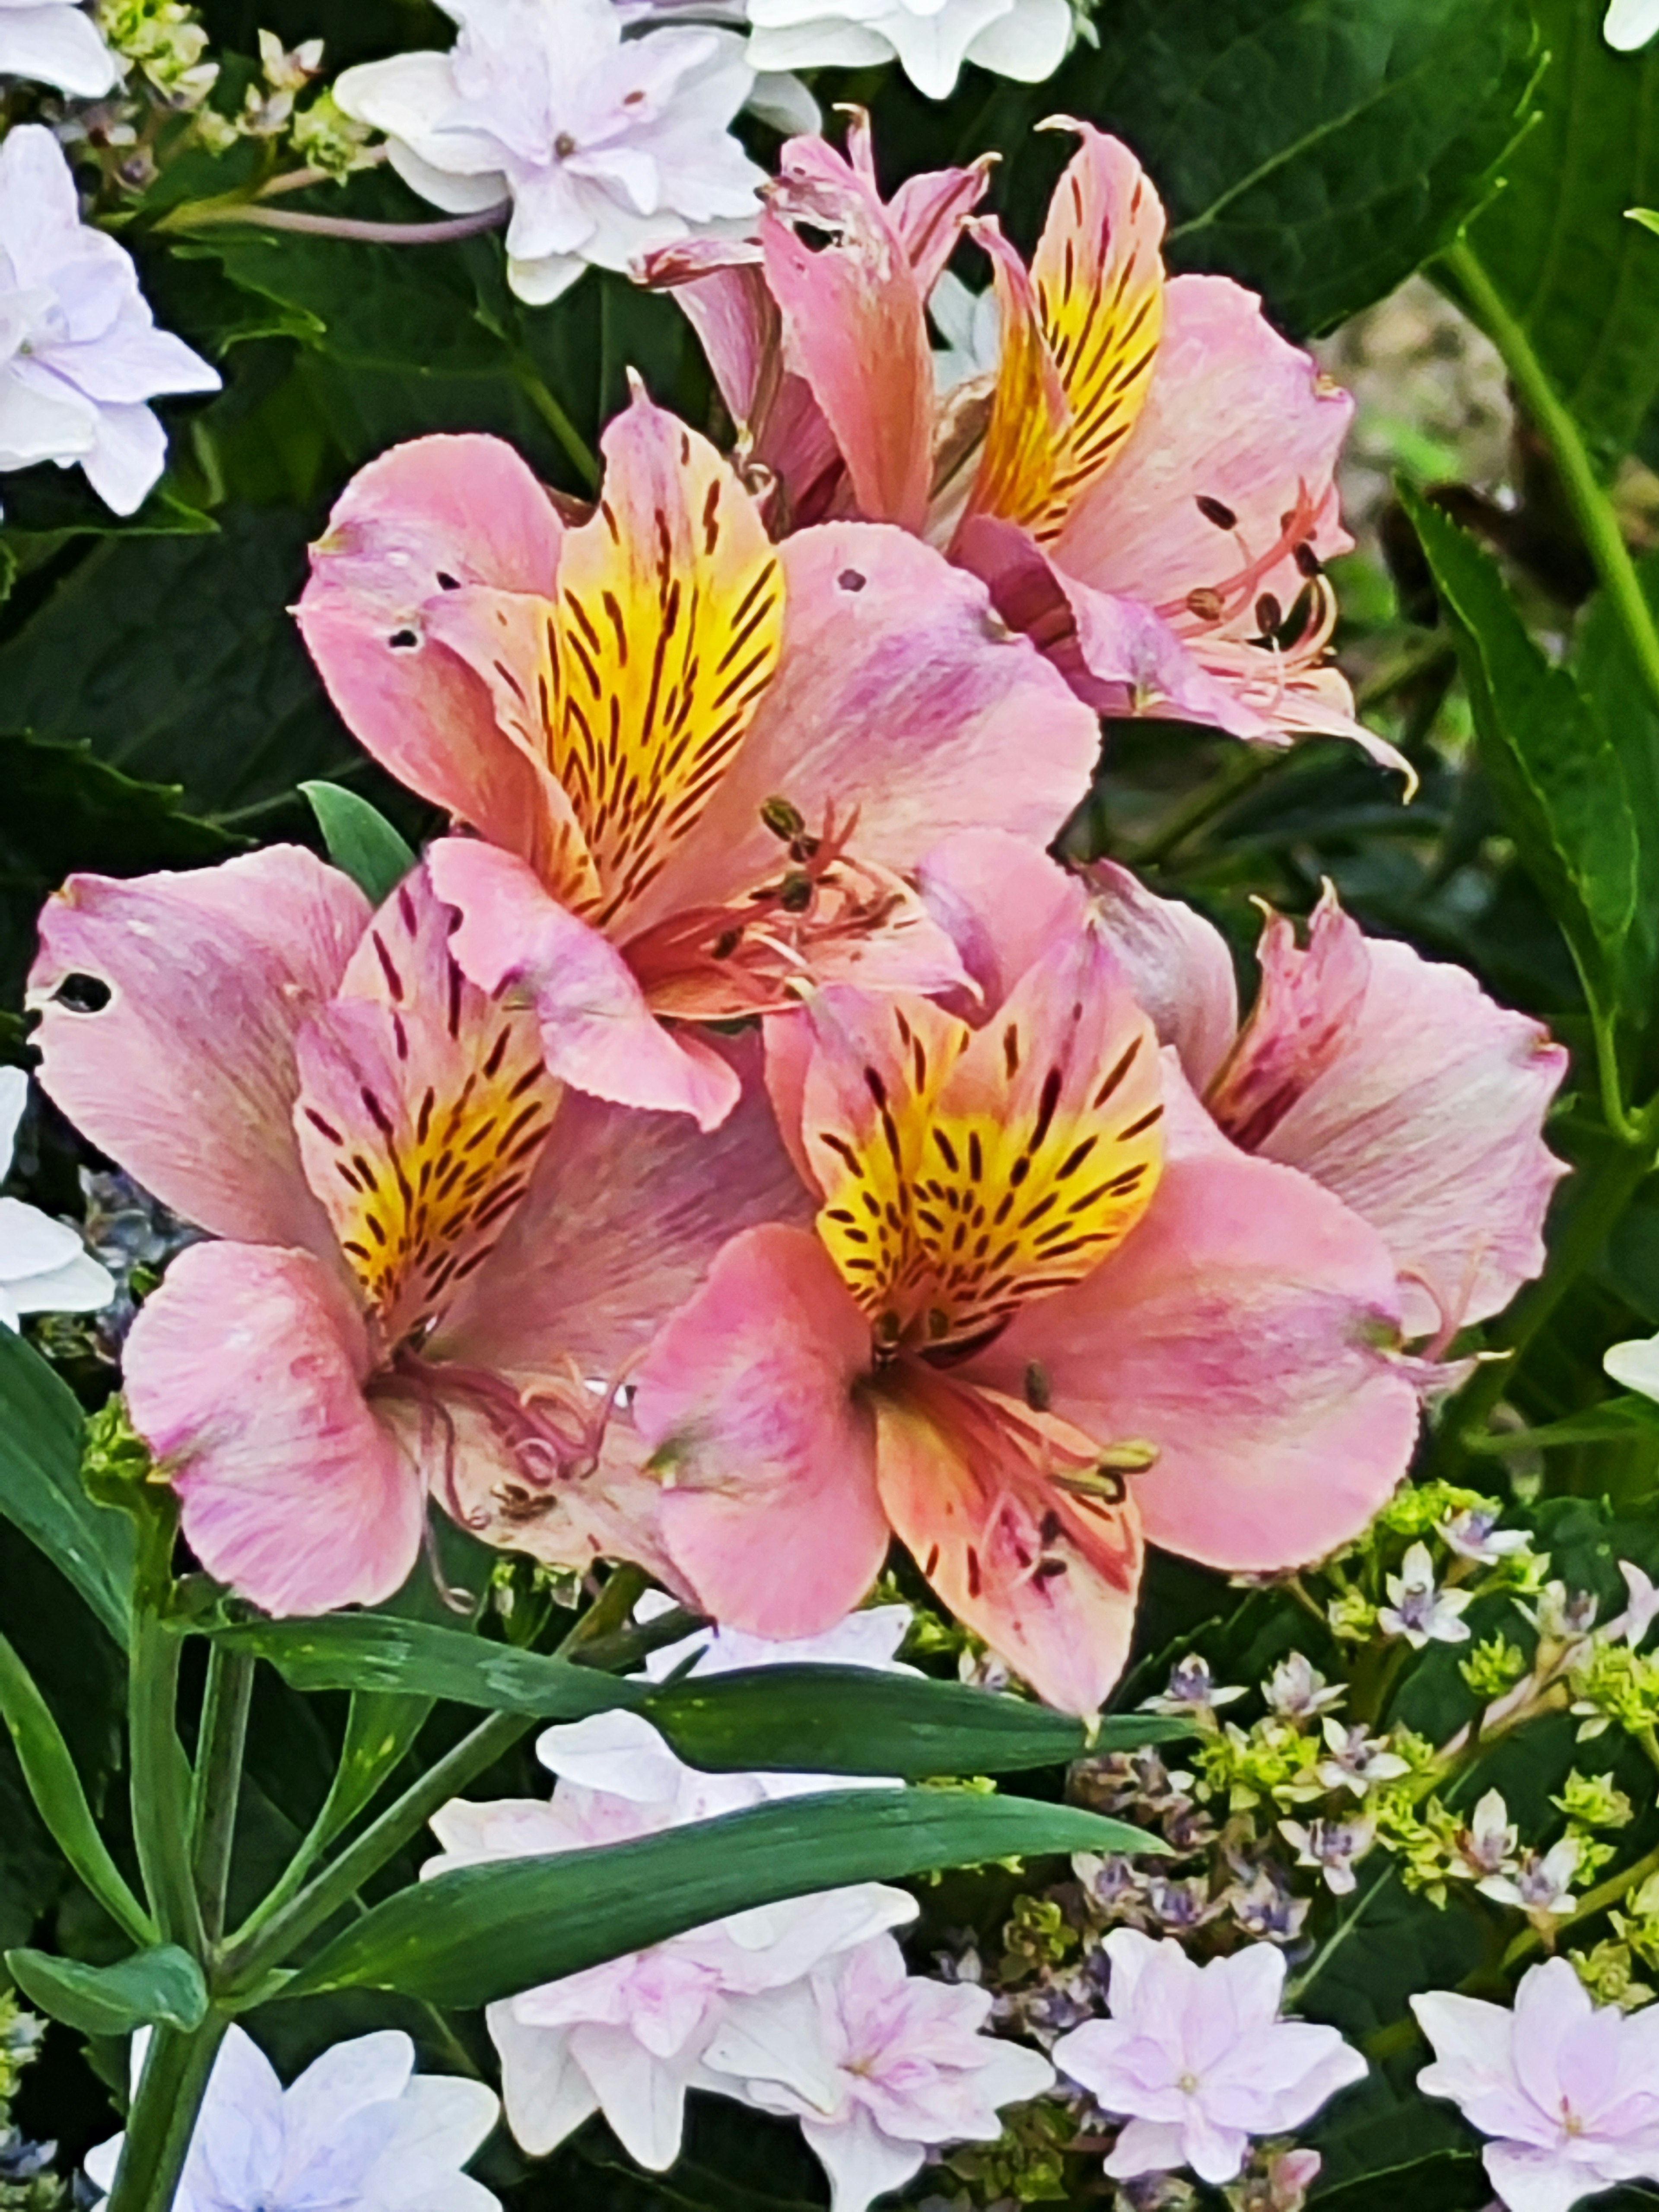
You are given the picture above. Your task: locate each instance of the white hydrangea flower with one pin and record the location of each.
(1634, 1365)
(1630, 24)
(1418, 1609)
(359, 2131)
(931, 39)
(56, 43)
(43, 1268)
(608, 146)
(80, 353)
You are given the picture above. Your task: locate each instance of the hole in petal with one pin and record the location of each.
(850, 580)
(83, 995)
(401, 640)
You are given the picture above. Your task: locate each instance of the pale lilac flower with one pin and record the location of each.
(1486, 1849)
(608, 146)
(878, 2065)
(1191, 1690)
(1641, 1607)
(1263, 1903)
(79, 350)
(630, 2037)
(1196, 2060)
(1629, 26)
(1567, 2091)
(1333, 1846)
(1475, 1535)
(1296, 1690)
(1562, 1616)
(931, 39)
(870, 1638)
(1357, 1761)
(1419, 1610)
(1539, 1883)
(43, 1268)
(56, 43)
(359, 2131)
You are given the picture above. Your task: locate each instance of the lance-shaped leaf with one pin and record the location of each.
(478, 1933)
(55, 1786)
(159, 1988)
(360, 841)
(1559, 783)
(40, 1488)
(811, 1719)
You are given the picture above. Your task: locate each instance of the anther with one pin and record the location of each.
(1215, 511)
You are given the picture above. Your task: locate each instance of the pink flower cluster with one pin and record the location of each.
(736, 1143)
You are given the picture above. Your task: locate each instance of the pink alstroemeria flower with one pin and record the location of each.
(1146, 482)
(1049, 1308)
(1392, 1081)
(429, 1272)
(696, 765)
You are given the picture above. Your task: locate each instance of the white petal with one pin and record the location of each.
(441, 2121)
(1630, 23)
(931, 48)
(14, 1097)
(824, 42)
(32, 1242)
(1147, 2147)
(546, 2094)
(780, 2038)
(42, 420)
(1028, 44)
(134, 361)
(861, 2162)
(128, 458)
(1634, 1365)
(618, 1752)
(643, 2097)
(58, 46)
(82, 1285)
(538, 283)
(102, 2162)
(780, 98)
(1536, 2180)
(369, 2070)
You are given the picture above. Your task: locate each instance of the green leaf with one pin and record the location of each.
(1584, 283)
(40, 1488)
(178, 661)
(159, 1988)
(55, 1785)
(1620, 698)
(1560, 785)
(1317, 150)
(361, 841)
(478, 1933)
(811, 1719)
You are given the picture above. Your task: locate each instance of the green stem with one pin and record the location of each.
(1236, 777)
(1594, 1900)
(576, 448)
(267, 1940)
(160, 1773)
(1338, 1936)
(162, 2120)
(1590, 504)
(221, 1743)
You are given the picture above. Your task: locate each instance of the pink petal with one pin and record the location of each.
(722, 291)
(1419, 1102)
(244, 1375)
(1047, 1580)
(847, 306)
(1004, 904)
(1234, 415)
(899, 696)
(423, 1106)
(747, 1400)
(1236, 1330)
(433, 516)
(1303, 1017)
(597, 1032)
(187, 1075)
(625, 1215)
(1178, 966)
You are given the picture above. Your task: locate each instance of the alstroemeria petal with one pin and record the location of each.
(1048, 1579)
(597, 1032)
(1236, 1332)
(1178, 966)
(244, 1374)
(747, 1401)
(186, 1074)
